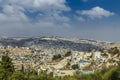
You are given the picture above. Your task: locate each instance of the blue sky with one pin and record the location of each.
(86, 19)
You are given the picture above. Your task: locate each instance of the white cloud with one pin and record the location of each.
(96, 13)
(47, 14)
(47, 18)
(80, 18)
(12, 14)
(40, 4)
(47, 10)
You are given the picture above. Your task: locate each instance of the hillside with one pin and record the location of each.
(54, 43)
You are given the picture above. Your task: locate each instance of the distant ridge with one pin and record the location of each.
(56, 42)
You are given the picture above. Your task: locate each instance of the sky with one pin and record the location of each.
(84, 19)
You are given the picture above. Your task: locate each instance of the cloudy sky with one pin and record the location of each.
(86, 19)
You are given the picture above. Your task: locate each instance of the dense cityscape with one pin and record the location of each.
(61, 61)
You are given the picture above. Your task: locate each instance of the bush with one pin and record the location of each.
(17, 76)
(75, 66)
(68, 54)
(110, 75)
(55, 57)
(114, 50)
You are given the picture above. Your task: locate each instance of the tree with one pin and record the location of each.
(55, 57)
(68, 54)
(113, 73)
(17, 76)
(6, 67)
(114, 50)
(75, 66)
